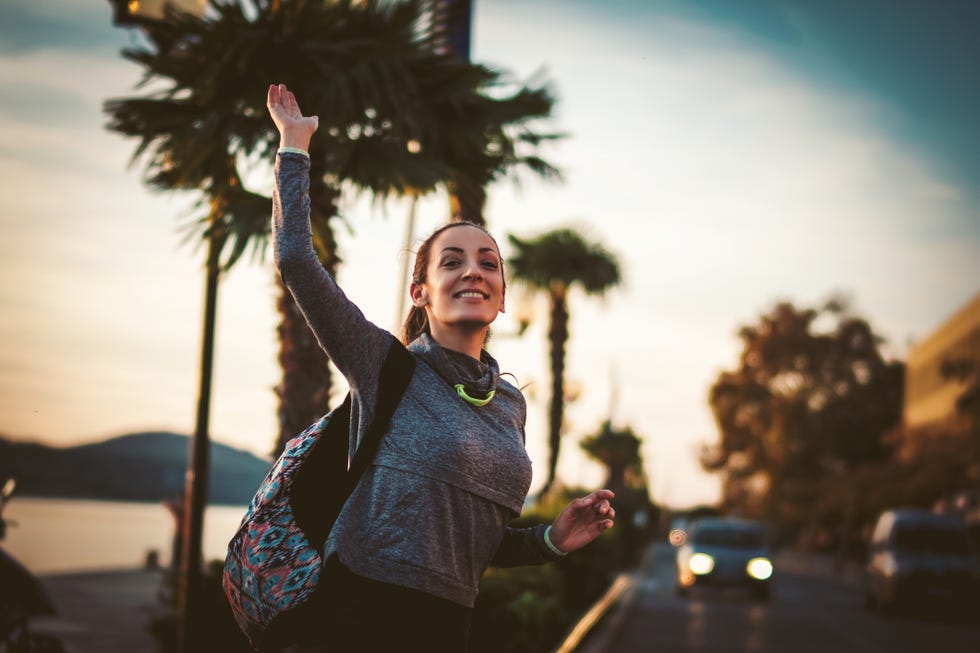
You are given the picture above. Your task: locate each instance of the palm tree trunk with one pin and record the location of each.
(558, 336)
(189, 620)
(304, 391)
(467, 201)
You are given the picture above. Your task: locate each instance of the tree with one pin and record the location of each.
(507, 134)
(804, 406)
(186, 138)
(619, 450)
(554, 263)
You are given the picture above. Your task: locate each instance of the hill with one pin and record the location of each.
(134, 467)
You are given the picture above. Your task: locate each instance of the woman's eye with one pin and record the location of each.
(450, 263)
(490, 265)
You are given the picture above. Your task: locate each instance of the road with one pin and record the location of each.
(811, 610)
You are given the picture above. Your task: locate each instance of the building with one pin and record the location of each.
(929, 397)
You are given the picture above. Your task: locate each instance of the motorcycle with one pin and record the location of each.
(22, 597)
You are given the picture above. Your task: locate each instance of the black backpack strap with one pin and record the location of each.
(396, 373)
(323, 483)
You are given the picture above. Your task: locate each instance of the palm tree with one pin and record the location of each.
(619, 450)
(510, 143)
(509, 139)
(553, 263)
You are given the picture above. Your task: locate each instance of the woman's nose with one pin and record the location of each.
(473, 271)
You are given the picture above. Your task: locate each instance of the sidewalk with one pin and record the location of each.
(103, 611)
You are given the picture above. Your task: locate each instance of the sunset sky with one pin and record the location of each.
(732, 154)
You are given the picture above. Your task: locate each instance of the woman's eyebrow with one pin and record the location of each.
(460, 250)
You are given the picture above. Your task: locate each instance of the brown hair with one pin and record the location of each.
(417, 321)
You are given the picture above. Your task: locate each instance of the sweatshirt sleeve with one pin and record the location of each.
(523, 546)
(355, 345)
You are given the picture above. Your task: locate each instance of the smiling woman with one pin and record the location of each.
(431, 511)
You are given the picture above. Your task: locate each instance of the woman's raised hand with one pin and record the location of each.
(295, 129)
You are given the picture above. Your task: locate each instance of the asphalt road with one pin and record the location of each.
(811, 610)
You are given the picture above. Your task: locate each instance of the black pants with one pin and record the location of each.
(360, 615)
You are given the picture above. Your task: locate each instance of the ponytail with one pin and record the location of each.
(415, 325)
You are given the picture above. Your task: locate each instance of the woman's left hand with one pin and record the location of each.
(582, 521)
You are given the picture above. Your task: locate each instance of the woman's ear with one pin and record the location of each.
(419, 297)
(503, 296)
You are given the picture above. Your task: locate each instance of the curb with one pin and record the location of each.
(623, 584)
(609, 613)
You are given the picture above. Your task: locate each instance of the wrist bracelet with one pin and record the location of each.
(294, 150)
(547, 541)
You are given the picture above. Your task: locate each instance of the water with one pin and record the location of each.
(64, 535)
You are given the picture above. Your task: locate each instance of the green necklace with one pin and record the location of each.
(461, 391)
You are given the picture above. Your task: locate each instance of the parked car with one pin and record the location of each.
(726, 552)
(919, 558)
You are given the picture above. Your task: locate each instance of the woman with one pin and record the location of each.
(406, 554)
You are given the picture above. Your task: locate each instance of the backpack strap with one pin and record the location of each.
(397, 371)
(325, 480)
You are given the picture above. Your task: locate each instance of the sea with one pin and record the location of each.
(55, 536)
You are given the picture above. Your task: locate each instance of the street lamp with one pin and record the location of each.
(134, 13)
(149, 14)
(454, 18)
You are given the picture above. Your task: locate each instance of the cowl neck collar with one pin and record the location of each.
(479, 377)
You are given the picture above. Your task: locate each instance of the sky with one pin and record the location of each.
(731, 155)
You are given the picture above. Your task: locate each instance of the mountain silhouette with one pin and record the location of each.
(135, 467)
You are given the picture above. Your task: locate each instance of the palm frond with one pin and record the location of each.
(563, 256)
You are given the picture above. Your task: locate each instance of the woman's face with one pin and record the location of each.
(464, 282)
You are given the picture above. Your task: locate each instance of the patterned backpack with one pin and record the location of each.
(274, 561)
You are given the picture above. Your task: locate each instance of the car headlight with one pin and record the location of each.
(701, 563)
(759, 568)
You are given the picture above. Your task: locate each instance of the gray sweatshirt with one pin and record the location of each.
(431, 512)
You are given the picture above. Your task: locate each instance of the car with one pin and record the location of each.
(726, 552)
(919, 559)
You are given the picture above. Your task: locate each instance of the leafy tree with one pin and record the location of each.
(803, 406)
(554, 263)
